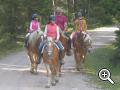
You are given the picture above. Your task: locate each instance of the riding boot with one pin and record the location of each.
(26, 42)
(39, 59)
(69, 47)
(40, 52)
(60, 58)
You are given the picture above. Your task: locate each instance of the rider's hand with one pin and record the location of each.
(56, 40)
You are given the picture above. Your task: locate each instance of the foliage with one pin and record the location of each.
(99, 59)
(15, 15)
(99, 11)
(115, 60)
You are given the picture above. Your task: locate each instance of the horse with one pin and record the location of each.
(80, 49)
(51, 61)
(32, 50)
(64, 41)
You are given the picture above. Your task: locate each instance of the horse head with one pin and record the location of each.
(80, 37)
(49, 47)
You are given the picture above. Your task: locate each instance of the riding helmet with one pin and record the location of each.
(52, 18)
(34, 16)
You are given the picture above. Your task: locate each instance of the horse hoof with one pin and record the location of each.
(62, 62)
(78, 69)
(60, 75)
(53, 83)
(31, 71)
(69, 53)
(47, 86)
(35, 73)
(56, 81)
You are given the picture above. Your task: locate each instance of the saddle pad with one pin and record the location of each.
(54, 44)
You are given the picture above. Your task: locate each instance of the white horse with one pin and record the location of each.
(33, 44)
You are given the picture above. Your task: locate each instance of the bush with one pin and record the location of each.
(115, 60)
(6, 42)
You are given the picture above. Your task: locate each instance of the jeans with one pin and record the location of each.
(69, 40)
(59, 44)
(40, 51)
(61, 48)
(26, 40)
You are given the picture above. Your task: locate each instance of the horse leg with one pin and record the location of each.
(79, 59)
(84, 55)
(53, 73)
(57, 73)
(63, 55)
(59, 66)
(60, 70)
(48, 75)
(31, 60)
(76, 60)
(35, 68)
(32, 69)
(35, 64)
(47, 70)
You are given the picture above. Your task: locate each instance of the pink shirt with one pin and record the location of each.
(60, 21)
(34, 25)
(52, 30)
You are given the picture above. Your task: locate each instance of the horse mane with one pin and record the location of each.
(80, 38)
(33, 37)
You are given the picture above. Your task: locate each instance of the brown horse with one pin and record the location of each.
(32, 50)
(50, 59)
(64, 41)
(80, 49)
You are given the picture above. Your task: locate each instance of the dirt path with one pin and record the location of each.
(15, 75)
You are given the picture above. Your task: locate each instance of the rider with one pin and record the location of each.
(61, 21)
(34, 26)
(52, 30)
(80, 22)
(80, 25)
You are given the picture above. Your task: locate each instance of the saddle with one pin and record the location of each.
(64, 34)
(46, 45)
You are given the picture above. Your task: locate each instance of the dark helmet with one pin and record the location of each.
(78, 15)
(34, 16)
(52, 18)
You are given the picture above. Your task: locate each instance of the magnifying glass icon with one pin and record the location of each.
(105, 74)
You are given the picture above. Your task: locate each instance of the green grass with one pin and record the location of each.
(9, 48)
(98, 59)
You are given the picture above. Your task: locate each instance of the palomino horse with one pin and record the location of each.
(80, 49)
(50, 59)
(33, 43)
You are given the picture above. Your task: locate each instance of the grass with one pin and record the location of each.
(10, 48)
(98, 59)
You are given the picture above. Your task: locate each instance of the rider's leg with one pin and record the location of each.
(26, 40)
(61, 48)
(40, 51)
(72, 37)
(68, 44)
